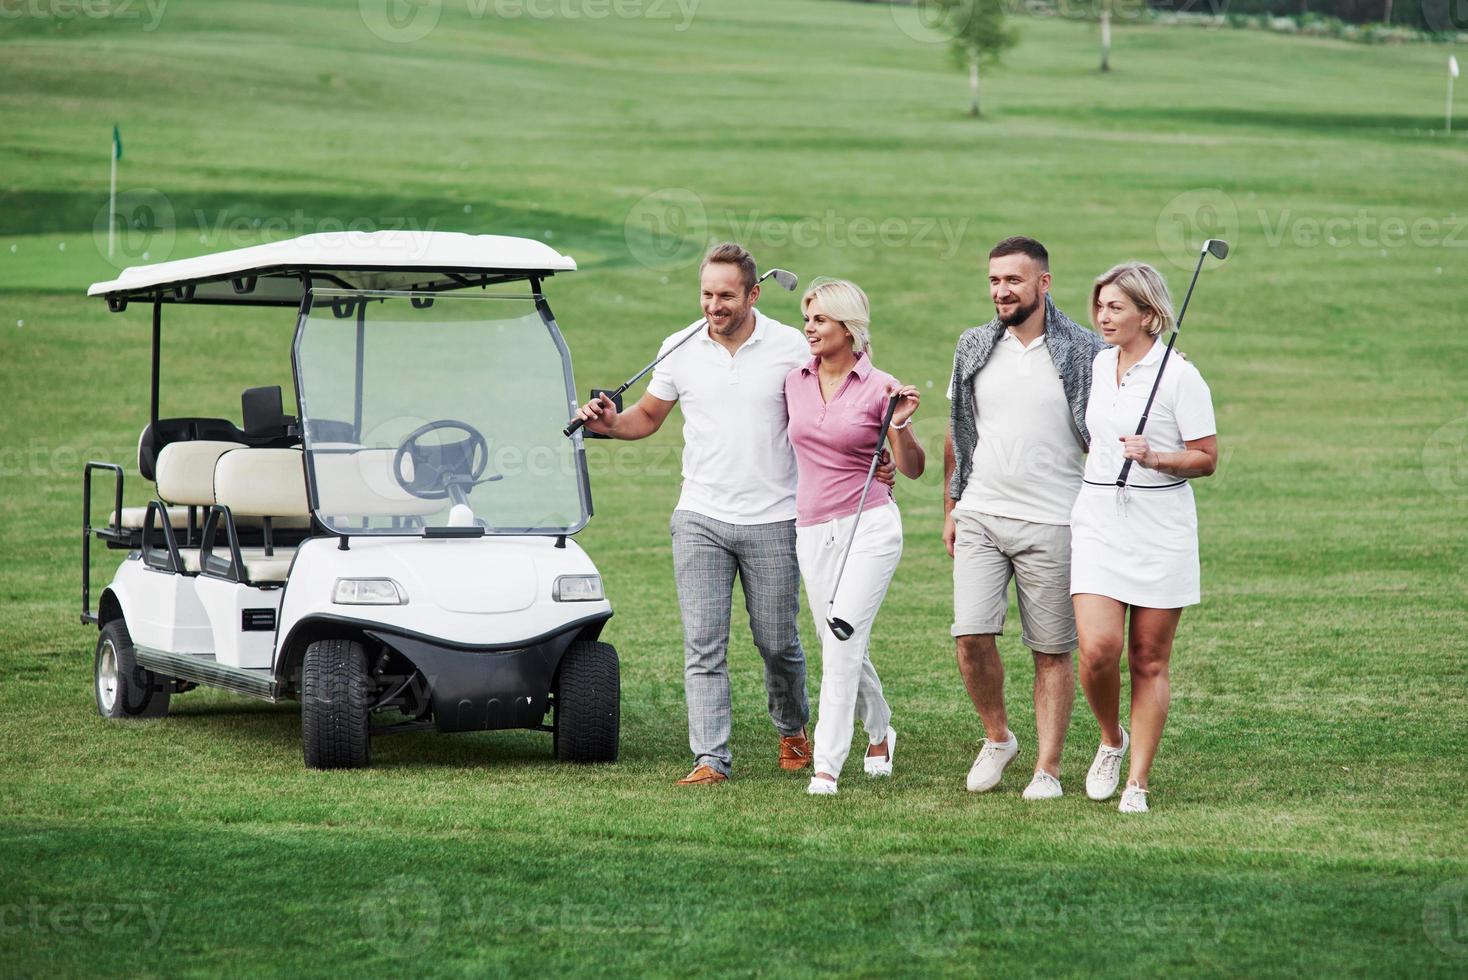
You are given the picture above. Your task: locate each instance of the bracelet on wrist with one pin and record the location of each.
(904, 425)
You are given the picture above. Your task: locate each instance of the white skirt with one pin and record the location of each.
(1141, 550)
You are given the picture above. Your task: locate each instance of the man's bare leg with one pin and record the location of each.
(1055, 692)
(983, 676)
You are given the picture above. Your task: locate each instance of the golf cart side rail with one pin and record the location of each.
(110, 532)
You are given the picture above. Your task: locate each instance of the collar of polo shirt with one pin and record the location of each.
(758, 334)
(862, 368)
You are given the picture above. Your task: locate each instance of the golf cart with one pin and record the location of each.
(400, 549)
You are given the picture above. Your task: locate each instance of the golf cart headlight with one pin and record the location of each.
(368, 592)
(578, 588)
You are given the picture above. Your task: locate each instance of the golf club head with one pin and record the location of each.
(1216, 247)
(787, 280)
(839, 628)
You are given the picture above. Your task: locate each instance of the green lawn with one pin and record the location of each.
(1309, 794)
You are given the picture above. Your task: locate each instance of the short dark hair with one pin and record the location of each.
(1020, 245)
(733, 254)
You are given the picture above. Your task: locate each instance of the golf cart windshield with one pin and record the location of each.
(438, 412)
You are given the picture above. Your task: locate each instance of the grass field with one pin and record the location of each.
(1310, 792)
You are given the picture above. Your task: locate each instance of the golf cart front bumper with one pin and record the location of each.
(490, 688)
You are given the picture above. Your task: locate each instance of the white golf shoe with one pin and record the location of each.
(821, 787)
(989, 767)
(1133, 799)
(1043, 787)
(881, 765)
(1106, 769)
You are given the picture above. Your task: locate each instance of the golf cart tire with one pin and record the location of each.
(335, 721)
(588, 695)
(138, 693)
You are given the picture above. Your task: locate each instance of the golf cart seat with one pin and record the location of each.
(264, 484)
(356, 482)
(184, 474)
(131, 518)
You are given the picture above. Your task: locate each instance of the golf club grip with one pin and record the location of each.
(887, 421)
(1126, 467)
(578, 421)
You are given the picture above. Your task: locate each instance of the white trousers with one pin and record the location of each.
(849, 683)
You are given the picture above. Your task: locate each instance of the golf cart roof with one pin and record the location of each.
(274, 274)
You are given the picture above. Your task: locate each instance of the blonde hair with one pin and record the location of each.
(1144, 286)
(844, 302)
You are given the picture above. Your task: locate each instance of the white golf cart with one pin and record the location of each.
(403, 546)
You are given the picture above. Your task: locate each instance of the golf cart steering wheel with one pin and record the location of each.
(439, 469)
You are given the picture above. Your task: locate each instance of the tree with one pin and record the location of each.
(978, 36)
(1105, 35)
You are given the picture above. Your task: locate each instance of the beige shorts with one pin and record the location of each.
(987, 552)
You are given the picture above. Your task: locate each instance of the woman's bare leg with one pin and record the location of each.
(1149, 653)
(1101, 627)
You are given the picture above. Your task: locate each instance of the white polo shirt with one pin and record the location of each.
(738, 466)
(1183, 410)
(1028, 460)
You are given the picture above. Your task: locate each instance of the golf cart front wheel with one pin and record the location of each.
(588, 694)
(335, 725)
(124, 689)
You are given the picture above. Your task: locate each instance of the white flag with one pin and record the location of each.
(1453, 65)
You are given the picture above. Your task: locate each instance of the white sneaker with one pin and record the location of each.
(989, 767)
(877, 765)
(1106, 769)
(1043, 787)
(821, 787)
(1133, 799)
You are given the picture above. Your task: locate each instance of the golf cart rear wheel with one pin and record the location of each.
(124, 689)
(334, 705)
(588, 704)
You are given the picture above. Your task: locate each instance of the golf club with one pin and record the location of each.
(788, 280)
(840, 628)
(1218, 248)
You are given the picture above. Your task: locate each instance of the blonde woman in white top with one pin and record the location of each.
(1135, 550)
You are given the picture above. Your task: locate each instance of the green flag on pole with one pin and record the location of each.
(116, 143)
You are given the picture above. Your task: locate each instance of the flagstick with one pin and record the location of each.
(112, 200)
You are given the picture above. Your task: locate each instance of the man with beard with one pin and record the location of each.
(1015, 454)
(736, 512)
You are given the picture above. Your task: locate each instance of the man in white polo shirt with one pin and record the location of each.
(1016, 451)
(736, 513)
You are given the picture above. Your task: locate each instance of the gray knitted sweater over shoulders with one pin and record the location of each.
(1072, 348)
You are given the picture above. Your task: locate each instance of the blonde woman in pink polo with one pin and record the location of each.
(836, 403)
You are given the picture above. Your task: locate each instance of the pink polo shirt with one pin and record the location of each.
(834, 440)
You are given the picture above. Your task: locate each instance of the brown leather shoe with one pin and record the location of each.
(794, 752)
(703, 775)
